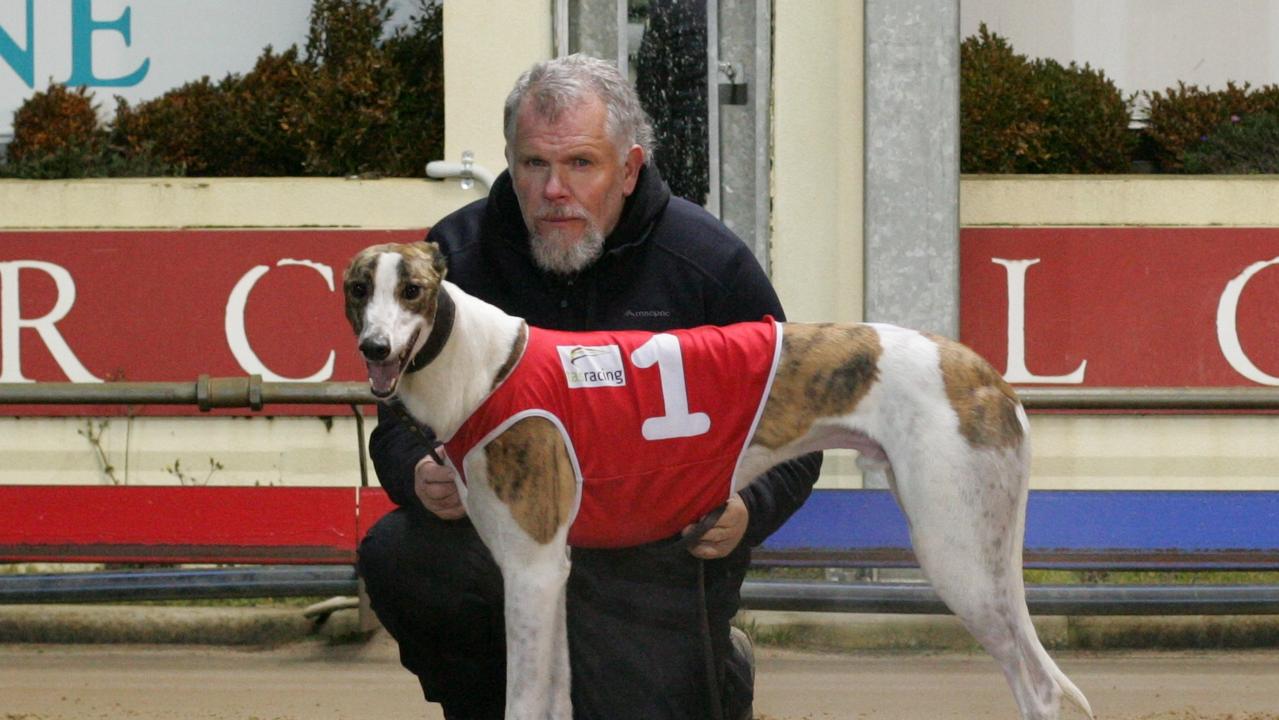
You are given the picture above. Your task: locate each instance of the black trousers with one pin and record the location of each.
(636, 639)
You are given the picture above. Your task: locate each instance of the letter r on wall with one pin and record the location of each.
(12, 322)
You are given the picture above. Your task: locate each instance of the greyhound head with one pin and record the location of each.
(393, 293)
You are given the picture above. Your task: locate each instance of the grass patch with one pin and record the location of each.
(1150, 577)
(775, 635)
(799, 573)
(259, 602)
(1044, 577)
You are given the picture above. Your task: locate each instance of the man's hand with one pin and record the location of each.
(720, 540)
(434, 486)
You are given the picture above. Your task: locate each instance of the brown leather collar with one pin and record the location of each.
(445, 311)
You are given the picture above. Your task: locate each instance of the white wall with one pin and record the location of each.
(817, 159)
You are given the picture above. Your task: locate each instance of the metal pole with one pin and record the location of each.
(623, 44)
(1116, 398)
(712, 109)
(252, 392)
(206, 393)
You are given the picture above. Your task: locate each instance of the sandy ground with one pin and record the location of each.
(314, 681)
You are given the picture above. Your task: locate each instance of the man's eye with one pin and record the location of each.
(358, 290)
(412, 292)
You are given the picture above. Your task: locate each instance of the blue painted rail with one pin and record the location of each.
(1065, 530)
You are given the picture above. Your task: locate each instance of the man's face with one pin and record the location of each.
(571, 182)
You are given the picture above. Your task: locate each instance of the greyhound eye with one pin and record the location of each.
(412, 292)
(358, 290)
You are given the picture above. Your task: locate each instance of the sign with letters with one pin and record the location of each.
(1141, 307)
(1123, 306)
(103, 306)
(140, 49)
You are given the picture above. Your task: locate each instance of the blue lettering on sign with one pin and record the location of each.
(22, 61)
(82, 28)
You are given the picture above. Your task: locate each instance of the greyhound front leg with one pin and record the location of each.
(537, 666)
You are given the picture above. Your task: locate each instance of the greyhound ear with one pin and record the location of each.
(438, 262)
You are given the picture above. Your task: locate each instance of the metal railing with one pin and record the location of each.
(252, 392)
(1121, 398)
(205, 393)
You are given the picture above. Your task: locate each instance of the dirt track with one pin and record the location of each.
(313, 681)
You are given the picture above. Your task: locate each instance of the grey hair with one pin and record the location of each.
(556, 85)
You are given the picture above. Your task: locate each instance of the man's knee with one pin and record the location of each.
(408, 553)
(437, 591)
(376, 557)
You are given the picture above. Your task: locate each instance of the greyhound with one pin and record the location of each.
(618, 438)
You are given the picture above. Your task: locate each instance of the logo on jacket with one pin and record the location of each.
(587, 366)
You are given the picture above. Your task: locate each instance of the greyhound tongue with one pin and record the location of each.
(382, 376)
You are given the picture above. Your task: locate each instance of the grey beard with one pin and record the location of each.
(561, 260)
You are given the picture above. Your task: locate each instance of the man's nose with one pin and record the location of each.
(556, 186)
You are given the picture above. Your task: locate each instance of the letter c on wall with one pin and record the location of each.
(238, 339)
(1228, 328)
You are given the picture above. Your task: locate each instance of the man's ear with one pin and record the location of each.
(631, 168)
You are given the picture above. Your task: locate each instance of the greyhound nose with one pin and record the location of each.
(375, 350)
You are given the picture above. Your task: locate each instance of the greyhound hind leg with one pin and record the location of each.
(967, 521)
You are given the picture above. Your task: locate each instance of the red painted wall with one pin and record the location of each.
(1130, 306)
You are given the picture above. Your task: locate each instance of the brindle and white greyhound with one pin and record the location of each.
(928, 416)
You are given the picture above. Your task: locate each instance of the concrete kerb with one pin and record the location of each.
(269, 626)
(856, 632)
(167, 624)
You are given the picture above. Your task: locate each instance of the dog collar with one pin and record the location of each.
(444, 313)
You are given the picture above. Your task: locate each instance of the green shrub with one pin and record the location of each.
(416, 51)
(181, 127)
(1185, 116)
(1019, 115)
(369, 105)
(1087, 118)
(56, 133)
(236, 127)
(996, 106)
(1240, 146)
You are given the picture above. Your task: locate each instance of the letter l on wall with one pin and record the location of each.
(1017, 370)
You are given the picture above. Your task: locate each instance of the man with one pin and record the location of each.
(580, 234)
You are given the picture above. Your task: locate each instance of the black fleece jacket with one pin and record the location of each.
(668, 264)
